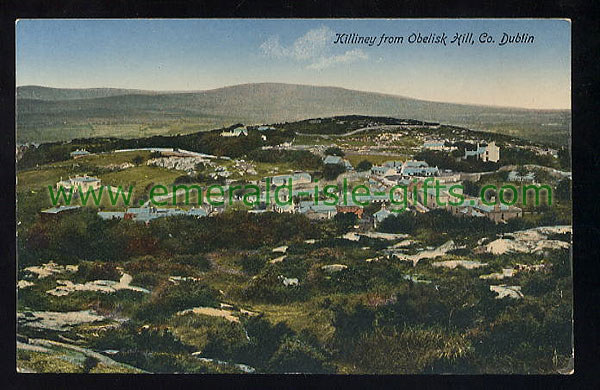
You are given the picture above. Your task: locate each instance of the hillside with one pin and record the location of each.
(46, 114)
(53, 94)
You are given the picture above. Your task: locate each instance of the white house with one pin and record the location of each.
(235, 132)
(317, 211)
(79, 153)
(438, 146)
(382, 171)
(79, 182)
(515, 176)
(393, 164)
(485, 153)
(337, 160)
(418, 168)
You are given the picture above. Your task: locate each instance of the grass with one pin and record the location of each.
(300, 316)
(308, 140)
(102, 160)
(53, 133)
(262, 170)
(64, 361)
(40, 179)
(140, 177)
(41, 362)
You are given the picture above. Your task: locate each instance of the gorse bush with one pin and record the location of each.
(408, 350)
(171, 298)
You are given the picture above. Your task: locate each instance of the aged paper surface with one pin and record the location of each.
(294, 196)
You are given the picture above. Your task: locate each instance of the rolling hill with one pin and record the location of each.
(52, 114)
(52, 94)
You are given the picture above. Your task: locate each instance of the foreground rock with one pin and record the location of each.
(59, 321)
(505, 291)
(103, 286)
(528, 241)
(427, 254)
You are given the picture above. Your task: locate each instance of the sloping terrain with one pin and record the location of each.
(47, 114)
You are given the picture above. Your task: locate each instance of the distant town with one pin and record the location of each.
(291, 281)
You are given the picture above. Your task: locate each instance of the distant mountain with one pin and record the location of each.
(62, 114)
(53, 94)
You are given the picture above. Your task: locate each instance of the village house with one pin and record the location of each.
(438, 146)
(392, 180)
(397, 165)
(146, 214)
(382, 171)
(497, 212)
(418, 168)
(357, 210)
(316, 211)
(529, 177)
(431, 198)
(79, 153)
(485, 153)
(235, 132)
(380, 216)
(82, 183)
(448, 176)
(338, 161)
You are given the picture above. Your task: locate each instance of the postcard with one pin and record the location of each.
(294, 196)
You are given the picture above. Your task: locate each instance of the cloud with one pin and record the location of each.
(347, 57)
(312, 49)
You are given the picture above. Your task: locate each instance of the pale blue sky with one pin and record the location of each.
(162, 54)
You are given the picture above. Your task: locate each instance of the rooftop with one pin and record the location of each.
(59, 209)
(332, 160)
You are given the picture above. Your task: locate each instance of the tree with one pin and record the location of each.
(169, 299)
(265, 339)
(251, 264)
(364, 165)
(563, 190)
(90, 363)
(564, 158)
(344, 221)
(332, 171)
(296, 356)
(334, 151)
(410, 350)
(471, 188)
(522, 171)
(137, 160)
